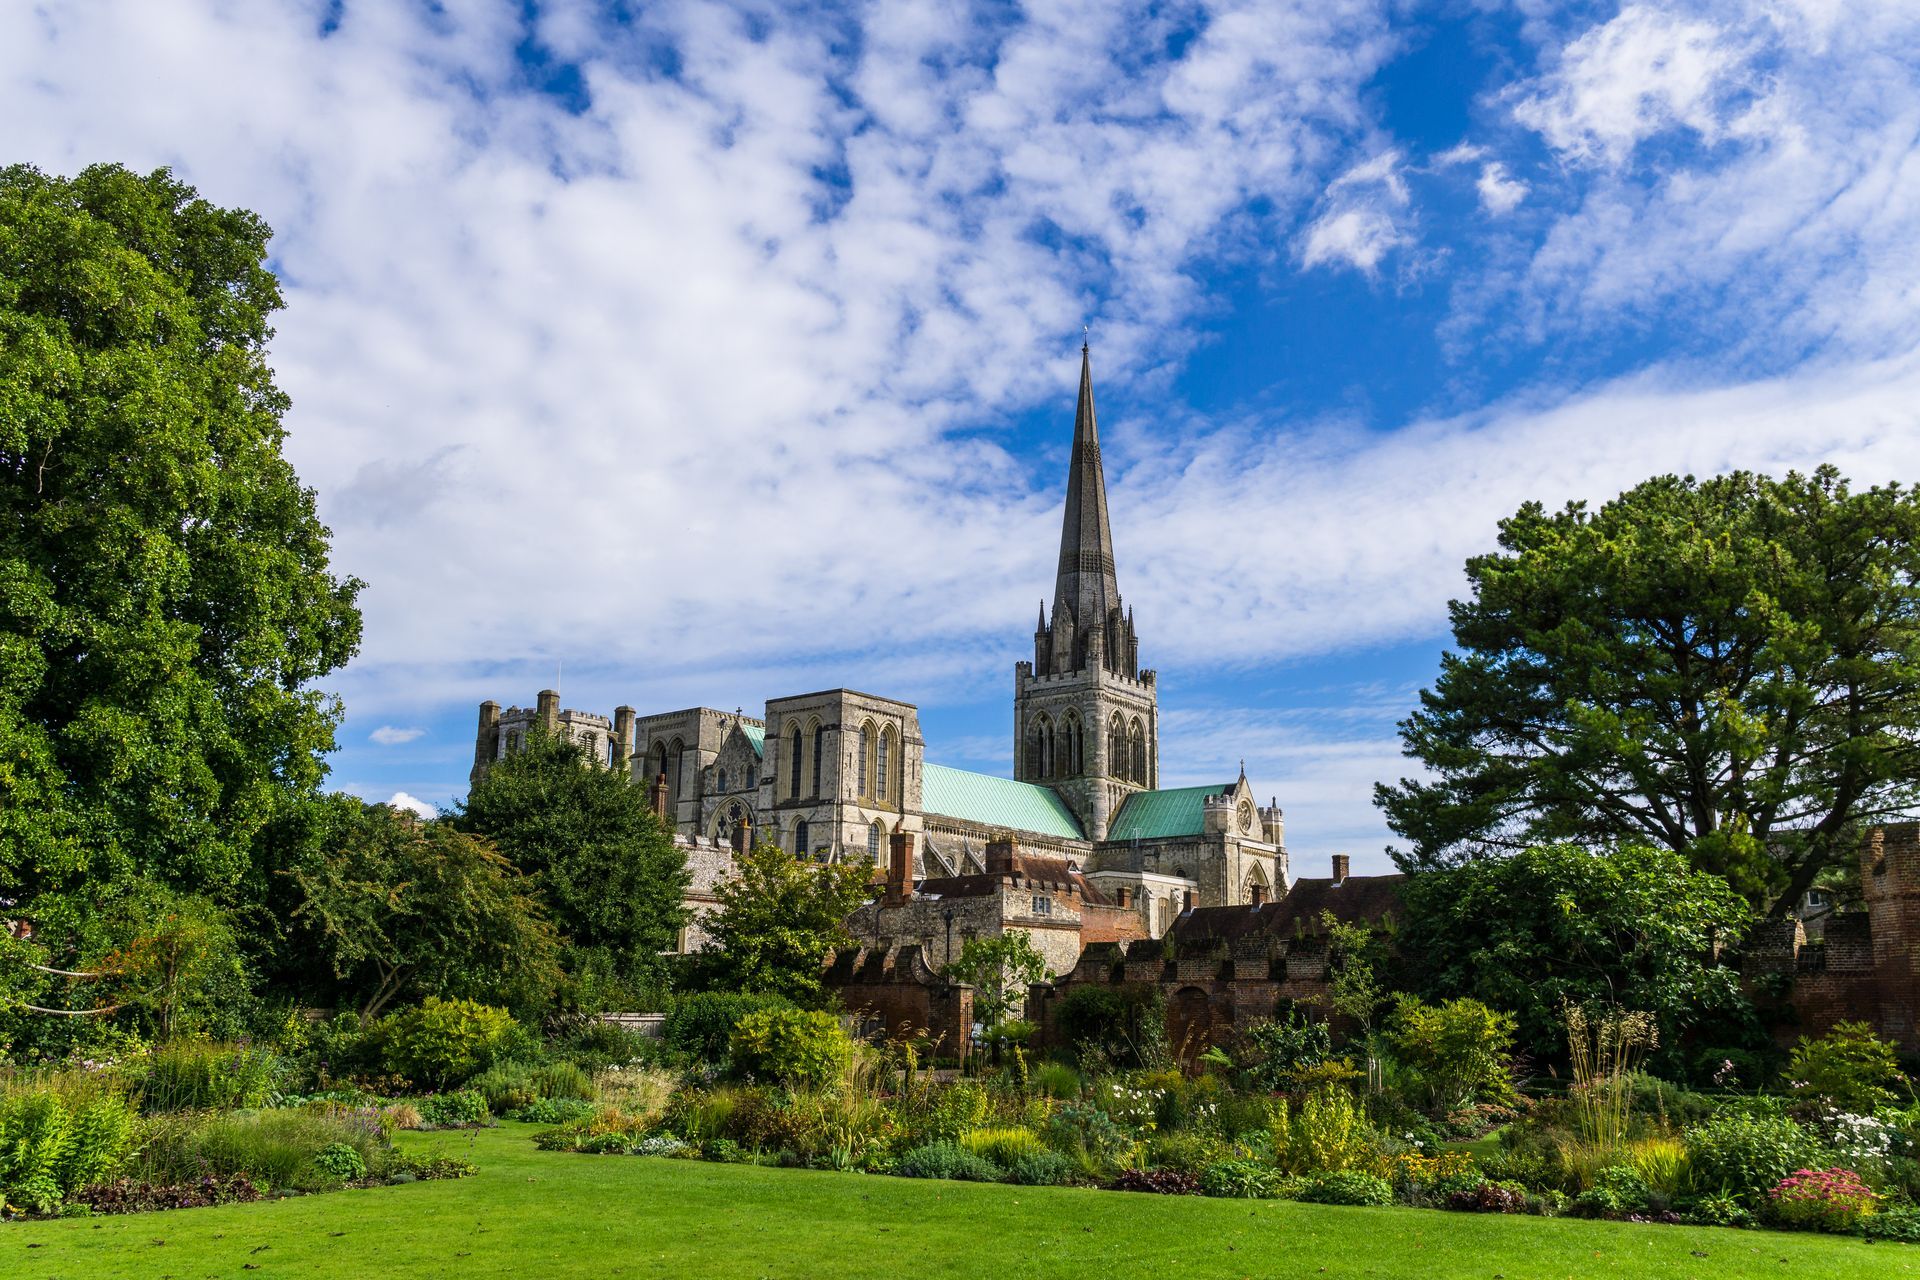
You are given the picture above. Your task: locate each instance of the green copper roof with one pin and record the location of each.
(995, 802)
(1147, 815)
(756, 736)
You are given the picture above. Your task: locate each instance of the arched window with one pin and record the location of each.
(1072, 735)
(753, 777)
(1043, 734)
(800, 849)
(1139, 744)
(656, 761)
(1116, 748)
(793, 770)
(883, 766)
(873, 842)
(819, 755)
(721, 779)
(676, 755)
(1033, 751)
(863, 769)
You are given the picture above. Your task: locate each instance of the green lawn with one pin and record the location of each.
(532, 1213)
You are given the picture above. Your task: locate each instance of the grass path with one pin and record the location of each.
(533, 1213)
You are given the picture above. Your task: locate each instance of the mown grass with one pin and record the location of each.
(548, 1214)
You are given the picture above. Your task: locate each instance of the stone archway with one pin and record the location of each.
(1189, 1023)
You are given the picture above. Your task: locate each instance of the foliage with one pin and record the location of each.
(1557, 925)
(397, 906)
(1002, 1144)
(1605, 1045)
(1901, 1223)
(1328, 1133)
(1822, 1199)
(1121, 1026)
(1746, 1156)
(341, 1160)
(165, 598)
(1489, 1197)
(1277, 1049)
(1726, 668)
(58, 1134)
(554, 1111)
(444, 1042)
(130, 1195)
(280, 1150)
(205, 1075)
(461, 1109)
(794, 1046)
(1849, 1067)
(1456, 1052)
(1346, 1186)
(946, 1160)
(702, 1024)
(1041, 1168)
(605, 866)
(1159, 1182)
(1355, 955)
(1056, 1080)
(779, 918)
(1618, 1192)
(999, 968)
(1240, 1179)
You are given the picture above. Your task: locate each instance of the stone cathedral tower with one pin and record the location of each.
(1086, 720)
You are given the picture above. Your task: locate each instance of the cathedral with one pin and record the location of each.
(1081, 844)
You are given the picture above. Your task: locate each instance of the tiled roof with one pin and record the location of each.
(995, 802)
(1147, 815)
(1365, 900)
(756, 737)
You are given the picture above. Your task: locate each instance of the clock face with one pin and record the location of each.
(1246, 815)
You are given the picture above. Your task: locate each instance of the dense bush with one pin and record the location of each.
(1277, 1049)
(1489, 1197)
(1746, 1156)
(701, 1025)
(462, 1109)
(1821, 1200)
(441, 1043)
(1160, 1182)
(1057, 1080)
(1452, 1054)
(1122, 1026)
(277, 1150)
(1618, 1192)
(59, 1134)
(946, 1160)
(1849, 1067)
(1041, 1168)
(203, 1075)
(1346, 1186)
(597, 1045)
(1240, 1179)
(794, 1046)
(554, 1111)
(129, 1195)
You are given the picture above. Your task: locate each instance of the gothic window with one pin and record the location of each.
(722, 779)
(873, 842)
(1072, 736)
(793, 770)
(1043, 729)
(883, 766)
(1116, 748)
(862, 768)
(819, 755)
(800, 849)
(1139, 744)
(1033, 752)
(656, 761)
(753, 777)
(676, 755)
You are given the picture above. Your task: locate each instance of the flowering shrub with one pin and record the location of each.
(1136, 1109)
(660, 1144)
(1860, 1142)
(1744, 1156)
(1490, 1197)
(1822, 1199)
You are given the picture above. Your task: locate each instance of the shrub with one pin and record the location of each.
(506, 1087)
(1190, 1152)
(1346, 1186)
(273, 1149)
(702, 1025)
(1057, 1080)
(1901, 1224)
(341, 1160)
(1746, 1156)
(1040, 1168)
(596, 1045)
(1822, 1200)
(640, 1091)
(561, 1080)
(1122, 1026)
(465, 1109)
(58, 1135)
(1327, 1135)
(400, 1115)
(794, 1046)
(1159, 1182)
(1618, 1192)
(1002, 1144)
(952, 1111)
(130, 1195)
(202, 1075)
(1279, 1048)
(1660, 1162)
(945, 1160)
(444, 1042)
(554, 1111)
(432, 1168)
(1849, 1067)
(1455, 1053)
(1489, 1197)
(1240, 1180)
(1084, 1132)
(1719, 1211)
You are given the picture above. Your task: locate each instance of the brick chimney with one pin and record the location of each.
(743, 834)
(658, 798)
(622, 736)
(1340, 864)
(1000, 856)
(899, 866)
(1189, 902)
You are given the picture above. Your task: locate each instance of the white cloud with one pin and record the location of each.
(1499, 193)
(401, 800)
(392, 736)
(1361, 221)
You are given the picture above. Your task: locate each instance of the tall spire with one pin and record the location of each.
(1085, 584)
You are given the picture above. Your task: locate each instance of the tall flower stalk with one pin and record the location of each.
(1607, 1044)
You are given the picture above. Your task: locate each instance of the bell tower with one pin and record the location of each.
(1085, 716)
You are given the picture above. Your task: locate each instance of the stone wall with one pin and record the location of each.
(893, 994)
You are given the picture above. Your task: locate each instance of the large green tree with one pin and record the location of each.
(780, 918)
(165, 597)
(396, 907)
(1635, 927)
(1726, 668)
(604, 864)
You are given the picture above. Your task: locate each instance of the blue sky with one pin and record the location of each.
(701, 353)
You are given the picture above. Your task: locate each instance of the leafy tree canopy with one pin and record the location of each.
(1634, 927)
(165, 597)
(999, 969)
(400, 907)
(601, 859)
(779, 919)
(1729, 669)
